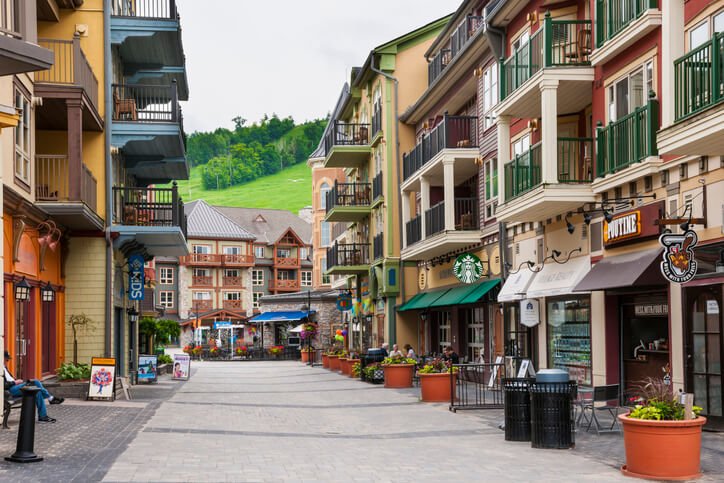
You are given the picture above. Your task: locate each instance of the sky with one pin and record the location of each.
(289, 57)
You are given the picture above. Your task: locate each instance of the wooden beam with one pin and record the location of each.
(679, 221)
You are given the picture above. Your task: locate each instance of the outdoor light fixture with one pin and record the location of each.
(368, 318)
(587, 218)
(608, 216)
(22, 291)
(569, 226)
(47, 293)
(52, 235)
(132, 315)
(423, 316)
(557, 254)
(526, 262)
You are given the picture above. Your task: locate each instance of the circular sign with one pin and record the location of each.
(344, 302)
(422, 278)
(468, 268)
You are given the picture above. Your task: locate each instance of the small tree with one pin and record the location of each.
(147, 329)
(166, 330)
(78, 322)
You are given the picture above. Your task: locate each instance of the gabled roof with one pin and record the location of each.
(205, 221)
(275, 223)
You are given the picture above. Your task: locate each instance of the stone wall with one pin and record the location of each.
(326, 316)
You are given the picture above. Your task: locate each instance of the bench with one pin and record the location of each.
(9, 404)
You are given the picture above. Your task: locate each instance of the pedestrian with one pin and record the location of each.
(396, 352)
(449, 355)
(410, 353)
(383, 348)
(14, 386)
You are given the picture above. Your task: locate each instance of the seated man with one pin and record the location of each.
(450, 355)
(14, 386)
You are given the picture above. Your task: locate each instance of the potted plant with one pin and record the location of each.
(351, 361)
(214, 351)
(398, 371)
(333, 358)
(343, 356)
(306, 352)
(325, 360)
(356, 369)
(276, 350)
(373, 373)
(437, 380)
(241, 351)
(662, 442)
(196, 352)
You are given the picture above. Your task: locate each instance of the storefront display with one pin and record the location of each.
(644, 339)
(569, 337)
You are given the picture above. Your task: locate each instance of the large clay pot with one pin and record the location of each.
(398, 375)
(662, 450)
(333, 363)
(325, 361)
(351, 363)
(305, 356)
(343, 365)
(437, 387)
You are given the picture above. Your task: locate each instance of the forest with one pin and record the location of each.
(232, 157)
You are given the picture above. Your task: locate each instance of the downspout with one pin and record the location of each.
(393, 318)
(108, 74)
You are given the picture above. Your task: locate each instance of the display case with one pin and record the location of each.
(569, 337)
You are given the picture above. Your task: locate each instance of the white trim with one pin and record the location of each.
(650, 20)
(546, 201)
(648, 166)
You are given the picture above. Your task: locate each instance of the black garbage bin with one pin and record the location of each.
(372, 356)
(517, 408)
(551, 410)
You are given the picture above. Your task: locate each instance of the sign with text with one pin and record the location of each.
(147, 368)
(632, 225)
(651, 310)
(136, 278)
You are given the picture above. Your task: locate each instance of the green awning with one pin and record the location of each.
(421, 300)
(479, 291)
(467, 294)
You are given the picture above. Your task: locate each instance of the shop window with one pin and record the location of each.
(569, 337)
(517, 336)
(474, 321)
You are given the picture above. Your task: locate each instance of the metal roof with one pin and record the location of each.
(319, 152)
(267, 225)
(205, 221)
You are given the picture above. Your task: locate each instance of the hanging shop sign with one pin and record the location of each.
(422, 278)
(136, 279)
(529, 312)
(632, 225)
(344, 302)
(468, 268)
(678, 264)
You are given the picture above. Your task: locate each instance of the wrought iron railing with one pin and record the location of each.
(413, 230)
(437, 64)
(376, 118)
(71, 67)
(377, 186)
(10, 18)
(146, 103)
(148, 207)
(348, 254)
(347, 134)
(462, 34)
(435, 219)
(378, 246)
(158, 9)
(55, 181)
(628, 140)
(477, 386)
(523, 172)
(348, 194)
(699, 78)
(612, 16)
(556, 43)
(452, 132)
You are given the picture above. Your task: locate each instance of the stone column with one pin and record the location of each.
(448, 166)
(503, 154)
(549, 132)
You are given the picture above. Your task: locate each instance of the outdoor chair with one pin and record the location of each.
(124, 109)
(609, 397)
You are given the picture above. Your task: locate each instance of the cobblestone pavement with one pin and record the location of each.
(282, 421)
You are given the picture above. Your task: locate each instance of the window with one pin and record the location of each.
(626, 94)
(325, 228)
(285, 275)
(22, 138)
(325, 278)
(306, 279)
(232, 296)
(259, 251)
(521, 41)
(257, 277)
(521, 145)
(475, 323)
(255, 299)
(304, 253)
(231, 272)
(165, 299)
(166, 275)
(284, 253)
(699, 35)
(202, 295)
(202, 272)
(323, 190)
(205, 249)
(232, 250)
(490, 94)
(491, 179)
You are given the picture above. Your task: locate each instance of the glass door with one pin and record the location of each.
(704, 351)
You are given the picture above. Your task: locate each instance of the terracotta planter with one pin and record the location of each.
(325, 361)
(305, 356)
(343, 365)
(662, 450)
(398, 375)
(436, 387)
(333, 363)
(351, 363)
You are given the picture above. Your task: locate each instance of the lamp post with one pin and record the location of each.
(368, 319)
(47, 295)
(309, 321)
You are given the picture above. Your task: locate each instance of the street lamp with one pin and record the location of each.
(47, 293)
(132, 315)
(22, 291)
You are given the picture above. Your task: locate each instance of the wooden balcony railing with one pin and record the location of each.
(413, 229)
(348, 194)
(348, 254)
(71, 67)
(202, 280)
(54, 181)
(612, 16)
(237, 260)
(146, 103)
(290, 262)
(628, 140)
(462, 34)
(148, 207)
(233, 305)
(376, 118)
(285, 284)
(452, 132)
(347, 134)
(699, 78)
(232, 282)
(378, 247)
(151, 9)
(199, 306)
(556, 43)
(201, 259)
(10, 18)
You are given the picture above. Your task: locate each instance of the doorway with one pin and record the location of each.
(118, 338)
(48, 338)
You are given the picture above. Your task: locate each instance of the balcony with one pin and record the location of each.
(377, 187)
(347, 145)
(443, 235)
(456, 137)
(287, 262)
(148, 127)
(284, 285)
(237, 260)
(16, 54)
(71, 78)
(698, 109)
(348, 258)
(458, 40)
(233, 305)
(201, 260)
(622, 23)
(558, 54)
(200, 306)
(378, 246)
(68, 195)
(348, 202)
(149, 220)
(529, 197)
(626, 149)
(236, 282)
(202, 281)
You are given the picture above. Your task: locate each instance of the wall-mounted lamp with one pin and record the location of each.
(47, 293)
(423, 316)
(132, 315)
(22, 291)
(513, 272)
(569, 225)
(557, 254)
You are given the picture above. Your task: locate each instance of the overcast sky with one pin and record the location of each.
(290, 57)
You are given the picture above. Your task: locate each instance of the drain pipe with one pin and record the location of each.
(108, 74)
(393, 316)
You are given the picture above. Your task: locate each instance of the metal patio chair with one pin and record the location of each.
(608, 395)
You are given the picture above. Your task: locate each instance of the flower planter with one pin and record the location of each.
(398, 375)
(436, 387)
(333, 363)
(325, 361)
(662, 450)
(305, 356)
(343, 365)
(350, 364)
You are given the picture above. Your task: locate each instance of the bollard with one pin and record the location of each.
(26, 431)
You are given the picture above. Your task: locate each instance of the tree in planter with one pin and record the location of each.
(147, 330)
(158, 331)
(78, 322)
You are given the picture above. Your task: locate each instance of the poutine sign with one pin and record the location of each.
(632, 225)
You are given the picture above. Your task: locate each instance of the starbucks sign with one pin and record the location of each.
(468, 268)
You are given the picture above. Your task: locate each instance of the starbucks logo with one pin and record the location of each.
(468, 268)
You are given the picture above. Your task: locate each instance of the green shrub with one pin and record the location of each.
(70, 371)
(165, 359)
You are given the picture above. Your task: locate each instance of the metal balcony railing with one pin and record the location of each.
(348, 194)
(523, 172)
(413, 229)
(612, 16)
(452, 132)
(377, 186)
(54, 181)
(435, 219)
(10, 18)
(376, 118)
(154, 9)
(465, 216)
(462, 34)
(71, 67)
(437, 64)
(347, 134)
(556, 43)
(628, 140)
(148, 207)
(378, 247)
(699, 78)
(146, 103)
(348, 254)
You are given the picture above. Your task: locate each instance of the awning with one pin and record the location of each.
(467, 294)
(632, 269)
(559, 278)
(280, 316)
(421, 300)
(515, 287)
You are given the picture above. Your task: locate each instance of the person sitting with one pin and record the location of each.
(383, 348)
(450, 355)
(14, 386)
(396, 352)
(410, 353)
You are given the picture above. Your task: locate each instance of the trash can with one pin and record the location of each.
(517, 408)
(551, 410)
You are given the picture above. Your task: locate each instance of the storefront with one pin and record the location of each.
(520, 340)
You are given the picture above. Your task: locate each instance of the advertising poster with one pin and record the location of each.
(102, 379)
(181, 366)
(147, 366)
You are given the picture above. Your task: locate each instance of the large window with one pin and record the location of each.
(569, 337)
(259, 251)
(201, 295)
(165, 298)
(284, 253)
(165, 275)
(703, 31)
(231, 272)
(521, 145)
(257, 277)
(325, 228)
(630, 92)
(304, 253)
(306, 279)
(491, 179)
(232, 250)
(325, 277)
(202, 272)
(232, 295)
(323, 190)
(205, 249)
(22, 138)
(490, 94)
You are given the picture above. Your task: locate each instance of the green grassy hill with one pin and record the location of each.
(289, 189)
